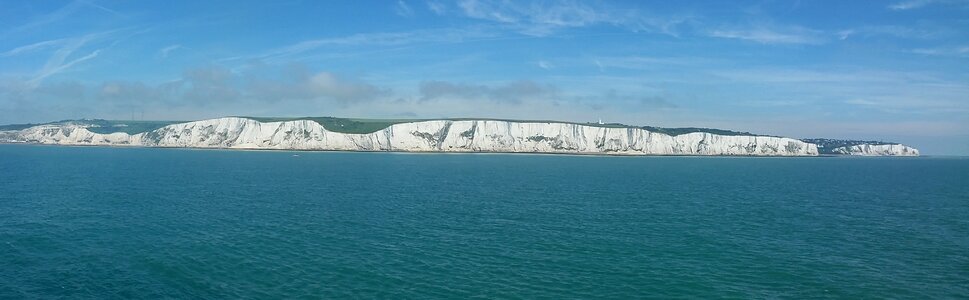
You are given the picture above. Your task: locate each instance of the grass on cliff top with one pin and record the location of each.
(18, 126)
(102, 126)
(129, 127)
(343, 125)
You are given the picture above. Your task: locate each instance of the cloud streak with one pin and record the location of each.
(912, 4)
(769, 35)
(546, 18)
(62, 13)
(961, 51)
(403, 38)
(403, 10)
(33, 47)
(54, 68)
(437, 8)
(916, 4)
(164, 52)
(58, 61)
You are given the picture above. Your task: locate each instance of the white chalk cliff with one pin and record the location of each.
(877, 150)
(423, 136)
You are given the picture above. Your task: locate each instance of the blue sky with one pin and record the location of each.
(892, 70)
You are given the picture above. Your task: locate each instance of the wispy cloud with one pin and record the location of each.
(920, 31)
(33, 47)
(54, 16)
(771, 34)
(638, 62)
(910, 4)
(962, 51)
(796, 76)
(62, 13)
(374, 39)
(403, 10)
(546, 18)
(915, 4)
(858, 101)
(57, 63)
(164, 52)
(93, 4)
(60, 59)
(437, 8)
(544, 64)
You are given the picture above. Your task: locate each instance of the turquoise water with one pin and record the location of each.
(79, 222)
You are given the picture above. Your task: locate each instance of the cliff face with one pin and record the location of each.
(71, 134)
(426, 136)
(877, 150)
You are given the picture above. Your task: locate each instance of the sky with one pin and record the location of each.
(885, 70)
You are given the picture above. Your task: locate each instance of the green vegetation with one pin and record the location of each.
(18, 126)
(129, 127)
(343, 125)
(685, 130)
(102, 126)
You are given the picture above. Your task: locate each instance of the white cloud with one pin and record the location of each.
(58, 62)
(91, 3)
(797, 76)
(858, 101)
(164, 52)
(403, 10)
(545, 18)
(915, 4)
(769, 35)
(961, 51)
(51, 17)
(544, 64)
(62, 54)
(33, 47)
(921, 31)
(637, 62)
(62, 13)
(54, 69)
(488, 11)
(844, 34)
(437, 8)
(911, 4)
(449, 35)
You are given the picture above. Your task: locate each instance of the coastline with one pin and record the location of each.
(582, 154)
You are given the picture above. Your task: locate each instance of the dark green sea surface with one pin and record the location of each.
(85, 222)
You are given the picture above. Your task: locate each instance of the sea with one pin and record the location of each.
(150, 223)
